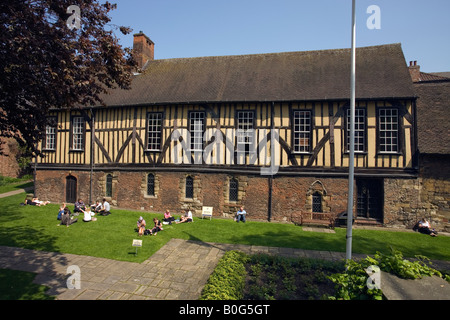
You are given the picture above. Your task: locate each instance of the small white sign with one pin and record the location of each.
(207, 211)
(137, 243)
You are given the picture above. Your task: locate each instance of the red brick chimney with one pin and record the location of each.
(143, 49)
(414, 71)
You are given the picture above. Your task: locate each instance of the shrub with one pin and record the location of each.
(352, 284)
(228, 279)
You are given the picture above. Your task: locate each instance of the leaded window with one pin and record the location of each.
(316, 202)
(189, 192)
(109, 180)
(150, 184)
(233, 192)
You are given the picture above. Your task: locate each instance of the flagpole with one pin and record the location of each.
(351, 171)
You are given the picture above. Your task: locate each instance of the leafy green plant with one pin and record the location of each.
(228, 279)
(352, 284)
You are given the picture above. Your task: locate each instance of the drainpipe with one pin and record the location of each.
(92, 155)
(272, 158)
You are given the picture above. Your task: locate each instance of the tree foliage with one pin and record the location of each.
(45, 64)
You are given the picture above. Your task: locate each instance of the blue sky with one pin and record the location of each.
(195, 28)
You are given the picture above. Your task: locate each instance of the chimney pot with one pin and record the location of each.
(143, 49)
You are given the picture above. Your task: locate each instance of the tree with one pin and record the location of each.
(49, 59)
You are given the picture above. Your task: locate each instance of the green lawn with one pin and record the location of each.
(18, 285)
(11, 184)
(111, 236)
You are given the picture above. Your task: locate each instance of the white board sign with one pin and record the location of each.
(207, 211)
(137, 243)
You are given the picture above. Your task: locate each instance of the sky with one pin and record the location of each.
(198, 28)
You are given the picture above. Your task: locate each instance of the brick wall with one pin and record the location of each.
(405, 200)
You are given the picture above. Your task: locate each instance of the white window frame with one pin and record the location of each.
(302, 127)
(388, 130)
(245, 133)
(78, 133)
(154, 131)
(360, 130)
(196, 129)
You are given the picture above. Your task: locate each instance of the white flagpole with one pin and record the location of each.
(351, 171)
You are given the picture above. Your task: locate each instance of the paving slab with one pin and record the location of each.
(425, 288)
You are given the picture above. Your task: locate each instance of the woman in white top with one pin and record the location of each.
(424, 227)
(186, 217)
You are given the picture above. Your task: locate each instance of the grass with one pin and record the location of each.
(18, 285)
(111, 236)
(11, 184)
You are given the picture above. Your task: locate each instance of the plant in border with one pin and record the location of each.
(228, 279)
(352, 284)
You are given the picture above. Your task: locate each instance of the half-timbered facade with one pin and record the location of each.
(267, 131)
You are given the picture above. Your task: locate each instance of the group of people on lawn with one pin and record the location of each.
(66, 217)
(168, 219)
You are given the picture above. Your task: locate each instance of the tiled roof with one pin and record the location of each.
(433, 117)
(302, 76)
(432, 77)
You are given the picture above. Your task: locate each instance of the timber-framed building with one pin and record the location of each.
(266, 131)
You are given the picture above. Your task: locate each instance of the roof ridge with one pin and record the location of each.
(280, 53)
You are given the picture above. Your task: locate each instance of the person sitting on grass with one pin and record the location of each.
(141, 226)
(240, 215)
(88, 215)
(158, 227)
(79, 206)
(61, 211)
(187, 217)
(66, 218)
(104, 211)
(168, 217)
(96, 207)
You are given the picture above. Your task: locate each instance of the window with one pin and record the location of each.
(245, 132)
(196, 128)
(50, 135)
(316, 202)
(360, 130)
(302, 131)
(77, 133)
(150, 185)
(154, 127)
(233, 190)
(109, 182)
(189, 192)
(388, 130)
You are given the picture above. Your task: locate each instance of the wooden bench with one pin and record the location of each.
(317, 218)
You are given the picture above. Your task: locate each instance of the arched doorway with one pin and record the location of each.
(71, 189)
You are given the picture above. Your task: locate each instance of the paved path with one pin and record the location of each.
(14, 192)
(178, 271)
